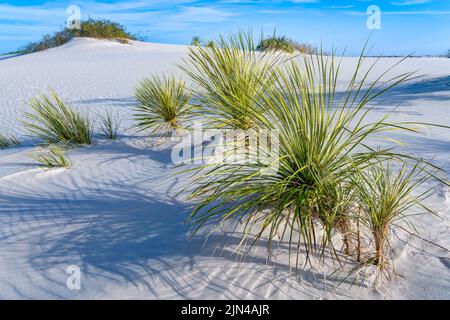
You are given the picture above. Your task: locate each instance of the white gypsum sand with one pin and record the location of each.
(115, 214)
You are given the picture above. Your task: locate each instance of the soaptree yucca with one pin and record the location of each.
(325, 138)
(228, 77)
(385, 197)
(164, 104)
(54, 122)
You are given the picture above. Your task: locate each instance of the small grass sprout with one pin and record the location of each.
(110, 125)
(54, 157)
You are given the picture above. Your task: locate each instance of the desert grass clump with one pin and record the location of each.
(229, 75)
(54, 122)
(308, 201)
(8, 141)
(164, 104)
(110, 125)
(54, 157)
(385, 198)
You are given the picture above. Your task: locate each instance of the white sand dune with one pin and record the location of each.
(116, 214)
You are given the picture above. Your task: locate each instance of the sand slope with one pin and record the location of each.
(116, 214)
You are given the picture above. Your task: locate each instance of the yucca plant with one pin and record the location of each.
(196, 41)
(229, 75)
(110, 125)
(164, 104)
(386, 197)
(54, 157)
(8, 141)
(323, 142)
(54, 122)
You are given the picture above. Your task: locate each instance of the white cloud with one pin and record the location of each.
(409, 2)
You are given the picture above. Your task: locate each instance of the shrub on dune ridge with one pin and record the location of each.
(284, 44)
(102, 29)
(275, 43)
(164, 103)
(311, 201)
(91, 28)
(53, 121)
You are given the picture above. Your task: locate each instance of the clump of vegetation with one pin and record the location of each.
(196, 41)
(92, 28)
(385, 197)
(275, 43)
(54, 122)
(312, 200)
(284, 44)
(54, 157)
(102, 29)
(110, 125)
(229, 75)
(8, 141)
(164, 103)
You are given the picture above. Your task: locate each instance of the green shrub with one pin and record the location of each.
(164, 103)
(102, 29)
(275, 43)
(54, 122)
(54, 157)
(284, 44)
(92, 28)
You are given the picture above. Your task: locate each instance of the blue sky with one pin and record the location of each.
(407, 26)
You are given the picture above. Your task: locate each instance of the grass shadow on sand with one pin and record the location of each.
(126, 229)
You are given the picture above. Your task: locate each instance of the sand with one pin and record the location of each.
(116, 213)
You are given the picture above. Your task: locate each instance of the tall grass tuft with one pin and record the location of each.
(164, 104)
(324, 140)
(385, 197)
(54, 122)
(8, 141)
(229, 76)
(54, 157)
(110, 125)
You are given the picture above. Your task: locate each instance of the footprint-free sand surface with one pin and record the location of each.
(117, 213)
